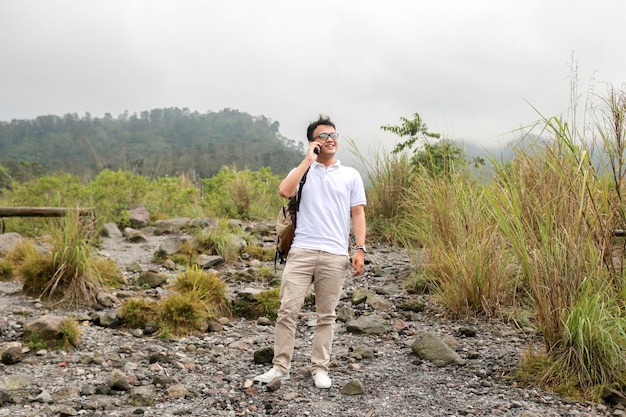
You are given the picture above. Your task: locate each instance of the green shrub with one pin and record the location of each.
(261, 253)
(137, 312)
(243, 194)
(6, 270)
(183, 313)
(71, 332)
(218, 240)
(206, 286)
(265, 304)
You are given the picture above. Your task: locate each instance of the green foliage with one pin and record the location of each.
(24, 249)
(183, 313)
(208, 287)
(197, 297)
(6, 270)
(219, 240)
(243, 194)
(49, 191)
(5, 179)
(593, 346)
(264, 304)
(263, 254)
(415, 129)
(438, 157)
(538, 234)
(137, 312)
(542, 208)
(158, 142)
(112, 193)
(557, 210)
(534, 370)
(269, 303)
(35, 342)
(70, 332)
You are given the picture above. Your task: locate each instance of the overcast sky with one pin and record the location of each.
(473, 69)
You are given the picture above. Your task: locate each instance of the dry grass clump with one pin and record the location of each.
(137, 313)
(263, 254)
(71, 273)
(197, 297)
(208, 288)
(182, 314)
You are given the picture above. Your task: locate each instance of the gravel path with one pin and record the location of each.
(211, 374)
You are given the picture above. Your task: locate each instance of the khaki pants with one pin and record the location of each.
(329, 271)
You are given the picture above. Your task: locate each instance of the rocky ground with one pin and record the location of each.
(211, 374)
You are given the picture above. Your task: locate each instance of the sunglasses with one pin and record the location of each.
(326, 136)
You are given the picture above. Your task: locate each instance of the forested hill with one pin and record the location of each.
(159, 142)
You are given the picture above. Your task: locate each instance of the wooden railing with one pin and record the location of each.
(42, 212)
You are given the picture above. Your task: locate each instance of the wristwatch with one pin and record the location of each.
(357, 247)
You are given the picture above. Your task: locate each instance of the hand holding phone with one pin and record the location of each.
(317, 150)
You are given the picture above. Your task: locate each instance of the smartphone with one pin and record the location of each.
(317, 150)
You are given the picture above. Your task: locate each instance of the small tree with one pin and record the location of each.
(437, 157)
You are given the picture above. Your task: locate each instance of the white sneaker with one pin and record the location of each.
(322, 380)
(271, 375)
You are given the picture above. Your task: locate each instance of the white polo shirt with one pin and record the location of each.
(323, 221)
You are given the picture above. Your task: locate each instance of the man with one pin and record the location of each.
(331, 196)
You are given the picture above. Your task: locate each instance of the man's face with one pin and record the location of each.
(322, 134)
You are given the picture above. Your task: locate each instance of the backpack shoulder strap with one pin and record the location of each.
(294, 202)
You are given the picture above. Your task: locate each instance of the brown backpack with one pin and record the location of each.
(286, 224)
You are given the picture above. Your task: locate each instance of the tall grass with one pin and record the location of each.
(537, 234)
(557, 209)
(465, 262)
(70, 274)
(389, 175)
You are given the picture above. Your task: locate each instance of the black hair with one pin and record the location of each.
(322, 121)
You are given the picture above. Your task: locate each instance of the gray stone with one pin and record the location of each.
(429, 346)
(118, 381)
(134, 236)
(372, 324)
(111, 230)
(8, 242)
(354, 387)
(11, 353)
(151, 279)
(47, 327)
(106, 299)
(143, 396)
(209, 261)
(138, 217)
(169, 246)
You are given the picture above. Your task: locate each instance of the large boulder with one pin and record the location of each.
(8, 242)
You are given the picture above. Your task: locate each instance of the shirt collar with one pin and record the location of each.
(336, 164)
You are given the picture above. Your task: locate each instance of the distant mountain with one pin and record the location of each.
(158, 142)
